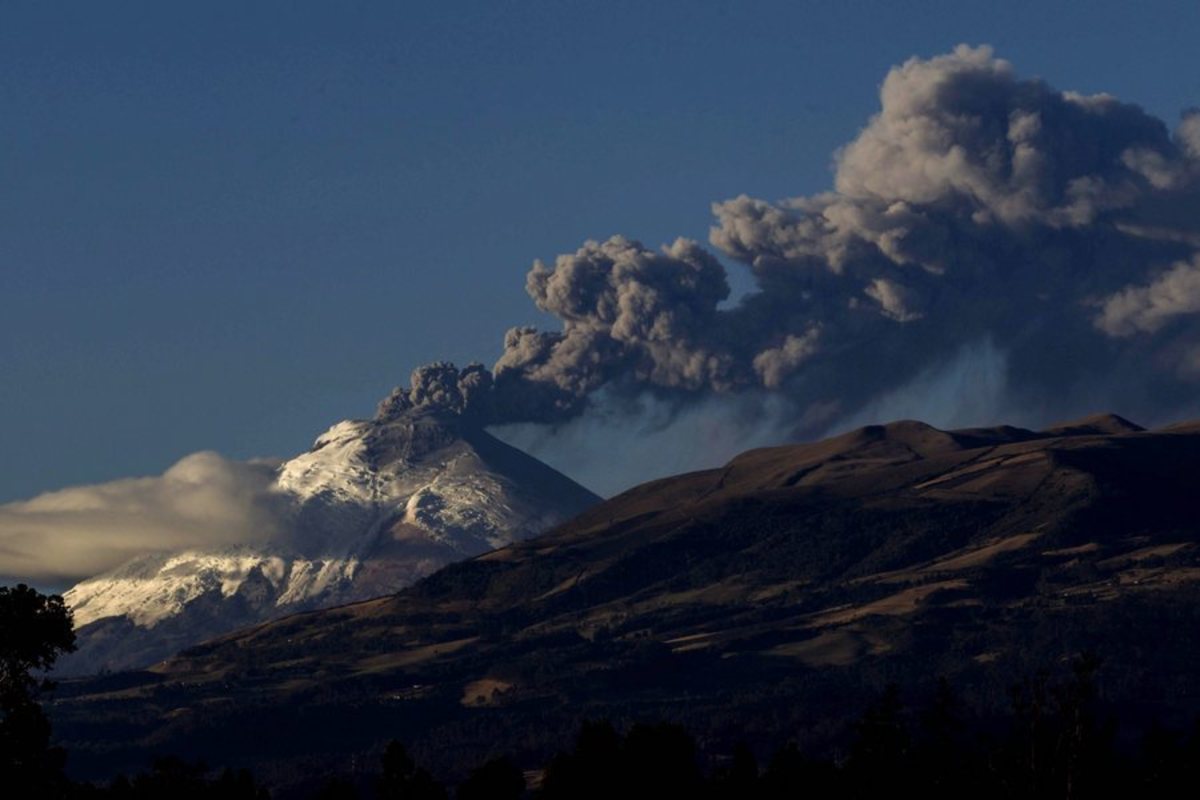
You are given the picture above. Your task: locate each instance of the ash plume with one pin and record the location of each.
(977, 211)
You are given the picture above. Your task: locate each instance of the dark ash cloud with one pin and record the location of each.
(977, 211)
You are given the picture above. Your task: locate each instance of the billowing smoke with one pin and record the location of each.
(203, 500)
(630, 316)
(977, 212)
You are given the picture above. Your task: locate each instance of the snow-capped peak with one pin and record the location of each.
(372, 507)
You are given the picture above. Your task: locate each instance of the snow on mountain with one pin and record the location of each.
(152, 588)
(372, 507)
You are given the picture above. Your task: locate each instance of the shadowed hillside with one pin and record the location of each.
(777, 593)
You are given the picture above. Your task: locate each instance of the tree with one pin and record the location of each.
(942, 755)
(591, 771)
(402, 779)
(498, 779)
(659, 761)
(651, 761)
(182, 780)
(789, 774)
(738, 777)
(34, 630)
(337, 788)
(880, 752)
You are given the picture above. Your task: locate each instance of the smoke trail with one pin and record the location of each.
(974, 206)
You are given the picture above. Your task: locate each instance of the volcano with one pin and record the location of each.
(372, 507)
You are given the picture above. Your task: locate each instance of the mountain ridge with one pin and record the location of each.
(768, 596)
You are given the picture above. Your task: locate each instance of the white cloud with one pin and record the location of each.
(1147, 308)
(202, 500)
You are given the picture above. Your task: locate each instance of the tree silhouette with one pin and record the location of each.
(879, 755)
(34, 629)
(652, 761)
(790, 774)
(660, 761)
(737, 778)
(1085, 742)
(402, 779)
(498, 779)
(1058, 747)
(337, 788)
(590, 772)
(943, 755)
(178, 779)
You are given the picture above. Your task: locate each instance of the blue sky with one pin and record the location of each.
(227, 225)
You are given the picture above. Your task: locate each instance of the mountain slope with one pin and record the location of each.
(372, 507)
(765, 598)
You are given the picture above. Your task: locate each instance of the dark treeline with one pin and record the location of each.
(1055, 740)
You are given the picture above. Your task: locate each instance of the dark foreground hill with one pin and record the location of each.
(771, 598)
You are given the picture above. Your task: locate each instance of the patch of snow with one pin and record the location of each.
(336, 466)
(151, 588)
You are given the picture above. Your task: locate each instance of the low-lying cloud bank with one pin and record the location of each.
(203, 500)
